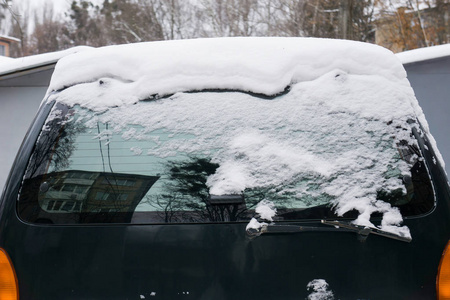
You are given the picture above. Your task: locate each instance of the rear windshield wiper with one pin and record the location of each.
(365, 231)
(362, 231)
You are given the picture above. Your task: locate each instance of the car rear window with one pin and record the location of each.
(212, 156)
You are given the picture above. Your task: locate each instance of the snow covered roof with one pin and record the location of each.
(12, 65)
(9, 38)
(422, 54)
(260, 65)
(5, 59)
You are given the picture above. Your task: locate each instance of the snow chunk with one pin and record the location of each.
(319, 290)
(391, 221)
(266, 210)
(254, 224)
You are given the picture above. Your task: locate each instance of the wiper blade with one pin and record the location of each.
(270, 228)
(364, 231)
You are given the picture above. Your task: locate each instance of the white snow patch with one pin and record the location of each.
(232, 177)
(136, 150)
(266, 210)
(254, 224)
(319, 290)
(5, 59)
(222, 182)
(391, 215)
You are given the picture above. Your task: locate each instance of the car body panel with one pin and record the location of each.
(217, 261)
(220, 260)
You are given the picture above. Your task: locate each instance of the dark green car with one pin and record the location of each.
(261, 168)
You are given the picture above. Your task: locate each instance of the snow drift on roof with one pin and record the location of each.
(259, 65)
(10, 38)
(422, 54)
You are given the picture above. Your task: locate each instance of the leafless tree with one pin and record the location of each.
(403, 24)
(128, 21)
(50, 33)
(231, 17)
(5, 13)
(18, 28)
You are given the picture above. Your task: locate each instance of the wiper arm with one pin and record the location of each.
(364, 231)
(268, 228)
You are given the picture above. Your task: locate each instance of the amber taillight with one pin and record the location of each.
(443, 277)
(8, 280)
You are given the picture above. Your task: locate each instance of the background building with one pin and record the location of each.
(429, 73)
(5, 43)
(23, 84)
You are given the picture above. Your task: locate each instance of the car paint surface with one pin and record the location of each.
(217, 261)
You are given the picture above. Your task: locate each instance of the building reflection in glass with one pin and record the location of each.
(85, 195)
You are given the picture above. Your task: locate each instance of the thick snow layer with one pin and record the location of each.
(331, 138)
(22, 63)
(5, 60)
(422, 54)
(259, 65)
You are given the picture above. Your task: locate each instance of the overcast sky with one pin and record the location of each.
(59, 5)
(29, 7)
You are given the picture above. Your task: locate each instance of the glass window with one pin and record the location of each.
(213, 156)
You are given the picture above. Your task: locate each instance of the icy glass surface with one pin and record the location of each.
(342, 142)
